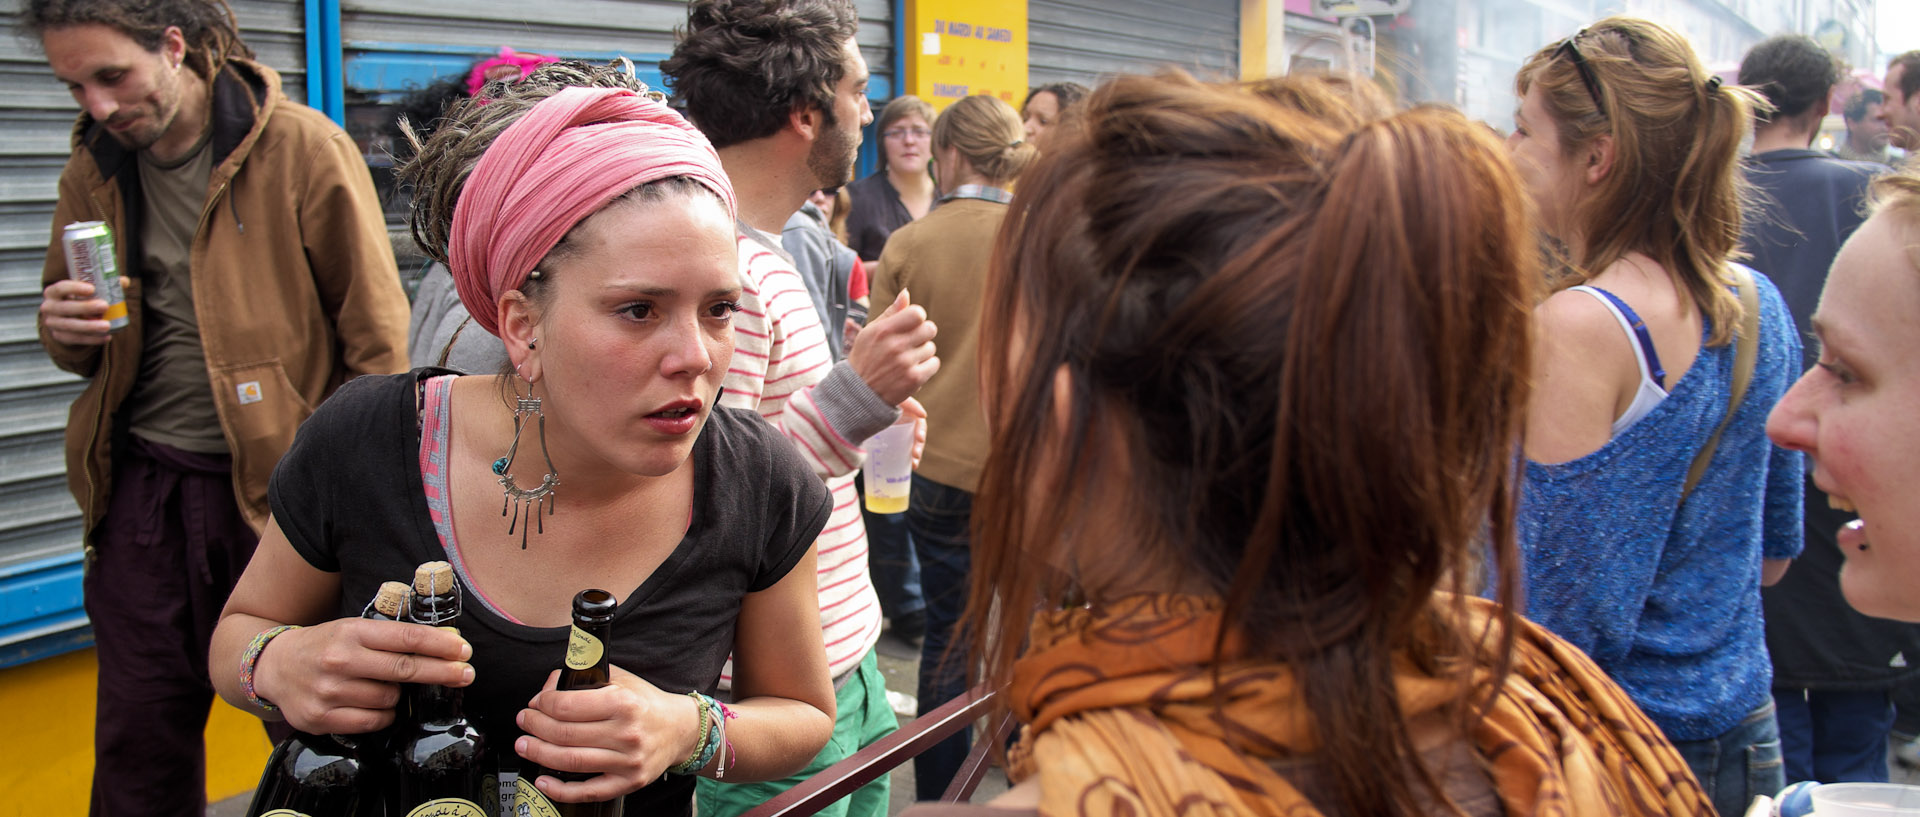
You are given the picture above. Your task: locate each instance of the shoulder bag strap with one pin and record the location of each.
(1747, 347)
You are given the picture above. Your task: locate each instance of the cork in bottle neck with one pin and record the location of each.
(433, 579)
(390, 599)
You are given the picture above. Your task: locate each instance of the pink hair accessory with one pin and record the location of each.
(566, 158)
(509, 58)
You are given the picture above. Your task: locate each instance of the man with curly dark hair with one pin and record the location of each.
(259, 277)
(780, 88)
(1832, 667)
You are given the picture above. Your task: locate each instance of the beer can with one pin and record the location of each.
(89, 246)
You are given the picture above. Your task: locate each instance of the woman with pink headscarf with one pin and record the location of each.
(592, 231)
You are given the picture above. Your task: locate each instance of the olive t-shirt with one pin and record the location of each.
(350, 498)
(172, 401)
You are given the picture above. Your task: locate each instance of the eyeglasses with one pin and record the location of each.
(1587, 76)
(897, 134)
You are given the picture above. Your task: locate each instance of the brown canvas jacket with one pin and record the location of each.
(294, 282)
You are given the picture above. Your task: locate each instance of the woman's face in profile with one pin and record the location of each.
(1040, 114)
(1857, 413)
(637, 330)
(1552, 178)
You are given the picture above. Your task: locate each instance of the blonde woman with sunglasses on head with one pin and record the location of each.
(1629, 149)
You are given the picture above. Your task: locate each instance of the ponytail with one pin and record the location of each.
(1675, 191)
(988, 135)
(1709, 195)
(1266, 297)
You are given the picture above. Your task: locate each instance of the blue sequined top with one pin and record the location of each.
(1667, 599)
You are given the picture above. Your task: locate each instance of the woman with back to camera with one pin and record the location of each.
(978, 152)
(592, 230)
(1255, 365)
(900, 191)
(1630, 149)
(1049, 105)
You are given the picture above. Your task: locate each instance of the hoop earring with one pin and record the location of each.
(525, 501)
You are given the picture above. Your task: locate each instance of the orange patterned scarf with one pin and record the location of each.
(1121, 719)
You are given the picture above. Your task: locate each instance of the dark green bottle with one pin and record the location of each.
(445, 766)
(328, 775)
(585, 666)
(310, 776)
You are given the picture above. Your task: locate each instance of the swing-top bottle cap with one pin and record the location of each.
(390, 599)
(433, 579)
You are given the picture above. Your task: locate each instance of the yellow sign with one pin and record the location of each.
(960, 48)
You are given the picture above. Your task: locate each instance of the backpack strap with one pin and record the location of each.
(1746, 349)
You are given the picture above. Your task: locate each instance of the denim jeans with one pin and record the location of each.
(1834, 736)
(1740, 765)
(938, 517)
(890, 559)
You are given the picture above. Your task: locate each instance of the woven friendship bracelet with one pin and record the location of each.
(251, 657)
(703, 751)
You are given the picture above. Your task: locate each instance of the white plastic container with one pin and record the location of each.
(1866, 800)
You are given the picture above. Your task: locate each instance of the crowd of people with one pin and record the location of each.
(1280, 448)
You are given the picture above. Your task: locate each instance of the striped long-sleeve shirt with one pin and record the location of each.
(782, 368)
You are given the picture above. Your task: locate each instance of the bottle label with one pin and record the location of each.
(583, 650)
(447, 807)
(529, 802)
(283, 812)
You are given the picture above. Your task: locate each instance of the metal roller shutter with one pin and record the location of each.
(39, 522)
(1085, 40)
(394, 47)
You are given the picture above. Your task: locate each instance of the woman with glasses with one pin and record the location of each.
(1656, 352)
(901, 190)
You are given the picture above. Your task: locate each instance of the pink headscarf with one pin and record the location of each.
(562, 161)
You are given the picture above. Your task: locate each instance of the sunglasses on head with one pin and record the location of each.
(1569, 48)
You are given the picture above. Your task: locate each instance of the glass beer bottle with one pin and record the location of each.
(585, 666)
(327, 775)
(445, 767)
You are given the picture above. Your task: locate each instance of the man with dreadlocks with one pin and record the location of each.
(258, 277)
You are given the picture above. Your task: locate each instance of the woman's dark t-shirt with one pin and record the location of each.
(876, 211)
(350, 499)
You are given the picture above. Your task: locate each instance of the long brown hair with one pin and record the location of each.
(1674, 193)
(1296, 334)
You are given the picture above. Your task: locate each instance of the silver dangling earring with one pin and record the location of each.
(525, 501)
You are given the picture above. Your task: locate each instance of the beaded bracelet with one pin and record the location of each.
(702, 751)
(251, 657)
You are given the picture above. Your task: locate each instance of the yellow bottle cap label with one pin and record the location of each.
(447, 807)
(529, 802)
(583, 650)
